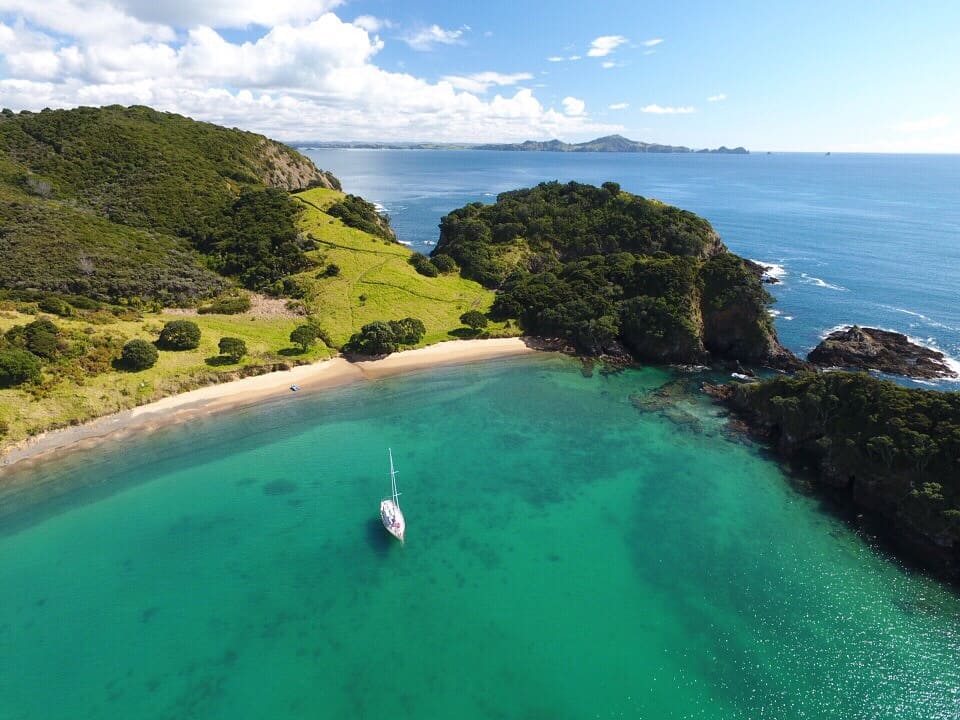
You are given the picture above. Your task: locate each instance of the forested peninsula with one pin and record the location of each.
(610, 272)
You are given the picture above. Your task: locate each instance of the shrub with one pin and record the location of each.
(179, 335)
(228, 305)
(408, 331)
(232, 347)
(422, 264)
(474, 319)
(138, 355)
(17, 367)
(444, 263)
(332, 270)
(383, 338)
(4, 427)
(376, 338)
(304, 336)
(55, 306)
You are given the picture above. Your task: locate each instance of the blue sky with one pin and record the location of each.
(843, 76)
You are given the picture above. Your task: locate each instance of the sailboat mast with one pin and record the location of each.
(393, 479)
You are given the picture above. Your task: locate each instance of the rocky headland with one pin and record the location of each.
(865, 348)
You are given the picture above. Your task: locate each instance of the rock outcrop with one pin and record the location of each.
(885, 351)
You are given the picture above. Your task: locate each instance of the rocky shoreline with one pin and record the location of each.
(872, 349)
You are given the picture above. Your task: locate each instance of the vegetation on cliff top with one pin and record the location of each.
(598, 266)
(895, 450)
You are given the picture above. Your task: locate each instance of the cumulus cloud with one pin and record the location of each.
(653, 42)
(573, 106)
(298, 81)
(605, 44)
(935, 122)
(483, 81)
(371, 23)
(717, 98)
(619, 106)
(430, 37)
(668, 110)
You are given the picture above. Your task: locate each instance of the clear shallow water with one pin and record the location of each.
(867, 239)
(568, 557)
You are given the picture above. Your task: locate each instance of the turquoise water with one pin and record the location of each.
(867, 239)
(568, 556)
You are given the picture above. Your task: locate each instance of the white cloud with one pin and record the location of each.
(573, 57)
(717, 98)
(481, 82)
(649, 52)
(555, 58)
(427, 38)
(573, 106)
(653, 42)
(605, 44)
(224, 13)
(371, 23)
(86, 19)
(668, 110)
(316, 80)
(619, 106)
(607, 64)
(934, 122)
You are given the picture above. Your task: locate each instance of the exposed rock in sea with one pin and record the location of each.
(881, 350)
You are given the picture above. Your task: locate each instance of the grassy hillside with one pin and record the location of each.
(375, 281)
(83, 384)
(144, 205)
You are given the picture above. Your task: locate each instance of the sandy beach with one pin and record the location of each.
(252, 390)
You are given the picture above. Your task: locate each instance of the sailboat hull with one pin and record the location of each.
(392, 518)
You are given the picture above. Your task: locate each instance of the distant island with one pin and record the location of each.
(607, 144)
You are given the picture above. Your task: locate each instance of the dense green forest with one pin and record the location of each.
(598, 266)
(144, 205)
(894, 451)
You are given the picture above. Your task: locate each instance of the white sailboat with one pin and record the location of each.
(390, 512)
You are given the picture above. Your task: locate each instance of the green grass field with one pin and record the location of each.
(375, 283)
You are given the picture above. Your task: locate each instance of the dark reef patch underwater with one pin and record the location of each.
(577, 547)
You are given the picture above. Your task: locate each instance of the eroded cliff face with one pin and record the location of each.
(285, 168)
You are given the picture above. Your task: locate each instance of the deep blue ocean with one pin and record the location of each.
(866, 239)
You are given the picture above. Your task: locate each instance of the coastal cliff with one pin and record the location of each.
(888, 452)
(602, 268)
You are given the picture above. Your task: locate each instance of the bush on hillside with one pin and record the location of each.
(179, 335)
(423, 265)
(305, 336)
(138, 355)
(474, 319)
(18, 366)
(233, 348)
(227, 305)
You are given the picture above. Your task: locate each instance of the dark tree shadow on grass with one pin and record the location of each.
(291, 352)
(220, 361)
(465, 333)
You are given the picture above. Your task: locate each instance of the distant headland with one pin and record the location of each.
(607, 144)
